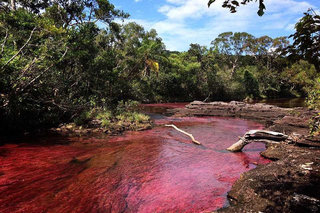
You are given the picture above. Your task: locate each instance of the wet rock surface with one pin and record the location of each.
(291, 183)
(260, 112)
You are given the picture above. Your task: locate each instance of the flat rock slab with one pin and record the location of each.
(260, 112)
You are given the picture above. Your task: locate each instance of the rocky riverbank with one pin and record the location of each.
(291, 183)
(71, 129)
(290, 121)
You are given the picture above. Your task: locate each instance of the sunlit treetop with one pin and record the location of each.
(75, 11)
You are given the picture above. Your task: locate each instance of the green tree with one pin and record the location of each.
(306, 40)
(232, 46)
(251, 85)
(300, 76)
(49, 59)
(233, 4)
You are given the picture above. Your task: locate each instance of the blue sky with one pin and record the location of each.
(182, 22)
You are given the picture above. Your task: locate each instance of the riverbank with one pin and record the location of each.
(292, 181)
(125, 117)
(114, 128)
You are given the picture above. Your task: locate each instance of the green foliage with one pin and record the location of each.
(314, 95)
(306, 39)
(251, 85)
(83, 118)
(127, 106)
(57, 65)
(124, 114)
(102, 114)
(132, 117)
(105, 114)
(233, 4)
(300, 76)
(50, 62)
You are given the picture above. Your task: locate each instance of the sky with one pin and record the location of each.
(182, 22)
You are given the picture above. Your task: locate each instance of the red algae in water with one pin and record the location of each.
(158, 170)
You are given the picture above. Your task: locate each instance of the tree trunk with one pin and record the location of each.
(13, 5)
(234, 66)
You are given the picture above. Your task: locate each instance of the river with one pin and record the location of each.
(158, 170)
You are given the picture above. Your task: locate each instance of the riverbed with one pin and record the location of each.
(158, 170)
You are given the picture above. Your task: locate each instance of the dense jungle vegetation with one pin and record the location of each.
(60, 59)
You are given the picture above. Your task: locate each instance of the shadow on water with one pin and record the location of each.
(29, 140)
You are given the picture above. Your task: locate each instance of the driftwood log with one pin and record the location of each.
(263, 136)
(186, 133)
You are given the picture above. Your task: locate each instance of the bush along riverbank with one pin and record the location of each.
(125, 117)
(291, 182)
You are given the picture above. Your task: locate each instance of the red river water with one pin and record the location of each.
(158, 170)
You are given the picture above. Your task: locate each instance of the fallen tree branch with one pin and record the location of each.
(262, 136)
(186, 133)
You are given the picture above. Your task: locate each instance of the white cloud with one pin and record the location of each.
(191, 21)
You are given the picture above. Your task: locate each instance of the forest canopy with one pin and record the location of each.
(56, 63)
